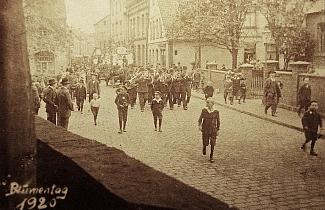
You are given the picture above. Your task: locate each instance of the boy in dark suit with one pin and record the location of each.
(209, 125)
(122, 102)
(157, 106)
(310, 122)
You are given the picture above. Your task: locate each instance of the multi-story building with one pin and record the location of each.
(103, 34)
(315, 22)
(83, 43)
(48, 38)
(119, 22)
(166, 51)
(138, 14)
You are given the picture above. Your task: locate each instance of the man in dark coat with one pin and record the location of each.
(272, 93)
(304, 95)
(93, 87)
(81, 95)
(50, 98)
(143, 90)
(64, 103)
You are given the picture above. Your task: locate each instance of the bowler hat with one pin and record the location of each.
(52, 81)
(157, 93)
(65, 81)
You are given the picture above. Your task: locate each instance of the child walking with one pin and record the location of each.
(157, 106)
(94, 106)
(209, 125)
(122, 102)
(310, 122)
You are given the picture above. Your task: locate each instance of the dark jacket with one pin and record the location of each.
(81, 92)
(210, 122)
(143, 85)
(65, 105)
(304, 94)
(122, 100)
(93, 87)
(50, 98)
(311, 121)
(157, 105)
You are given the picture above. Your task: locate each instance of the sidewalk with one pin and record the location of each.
(255, 108)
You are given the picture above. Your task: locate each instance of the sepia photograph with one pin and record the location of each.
(162, 105)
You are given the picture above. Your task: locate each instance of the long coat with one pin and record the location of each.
(65, 105)
(304, 94)
(50, 98)
(93, 87)
(272, 92)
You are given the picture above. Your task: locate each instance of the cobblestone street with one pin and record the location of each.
(258, 164)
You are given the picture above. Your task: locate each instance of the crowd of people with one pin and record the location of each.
(160, 87)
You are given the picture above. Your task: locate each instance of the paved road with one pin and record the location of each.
(258, 164)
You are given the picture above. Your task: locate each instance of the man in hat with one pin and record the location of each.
(50, 98)
(272, 93)
(64, 103)
(81, 95)
(93, 86)
(143, 90)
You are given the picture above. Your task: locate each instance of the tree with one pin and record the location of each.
(285, 21)
(221, 25)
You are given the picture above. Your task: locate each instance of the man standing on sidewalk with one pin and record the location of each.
(272, 93)
(50, 98)
(65, 105)
(304, 96)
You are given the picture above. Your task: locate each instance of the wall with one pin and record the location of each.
(217, 78)
(318, 89)
(289, 89)
(186, 55)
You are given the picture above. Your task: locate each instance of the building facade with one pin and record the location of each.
(103, 34)
(138, 17)
(315, 23)
(48, 37)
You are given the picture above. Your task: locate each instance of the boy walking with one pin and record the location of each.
(157, 106)
(310, 122)
(94, 106)
(209, 125)
(122, 102)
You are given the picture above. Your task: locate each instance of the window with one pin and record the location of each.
(321, 36)
(270, 51)
(175, 52)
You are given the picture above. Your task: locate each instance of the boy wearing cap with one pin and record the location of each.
(310, 122)
(209, 125)
(122, 103)
(157, 106)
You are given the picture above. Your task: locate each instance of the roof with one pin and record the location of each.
(317, 6)
(168, 10)
(104, 18)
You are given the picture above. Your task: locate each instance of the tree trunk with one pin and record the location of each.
(234, 54)
(17, 137)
